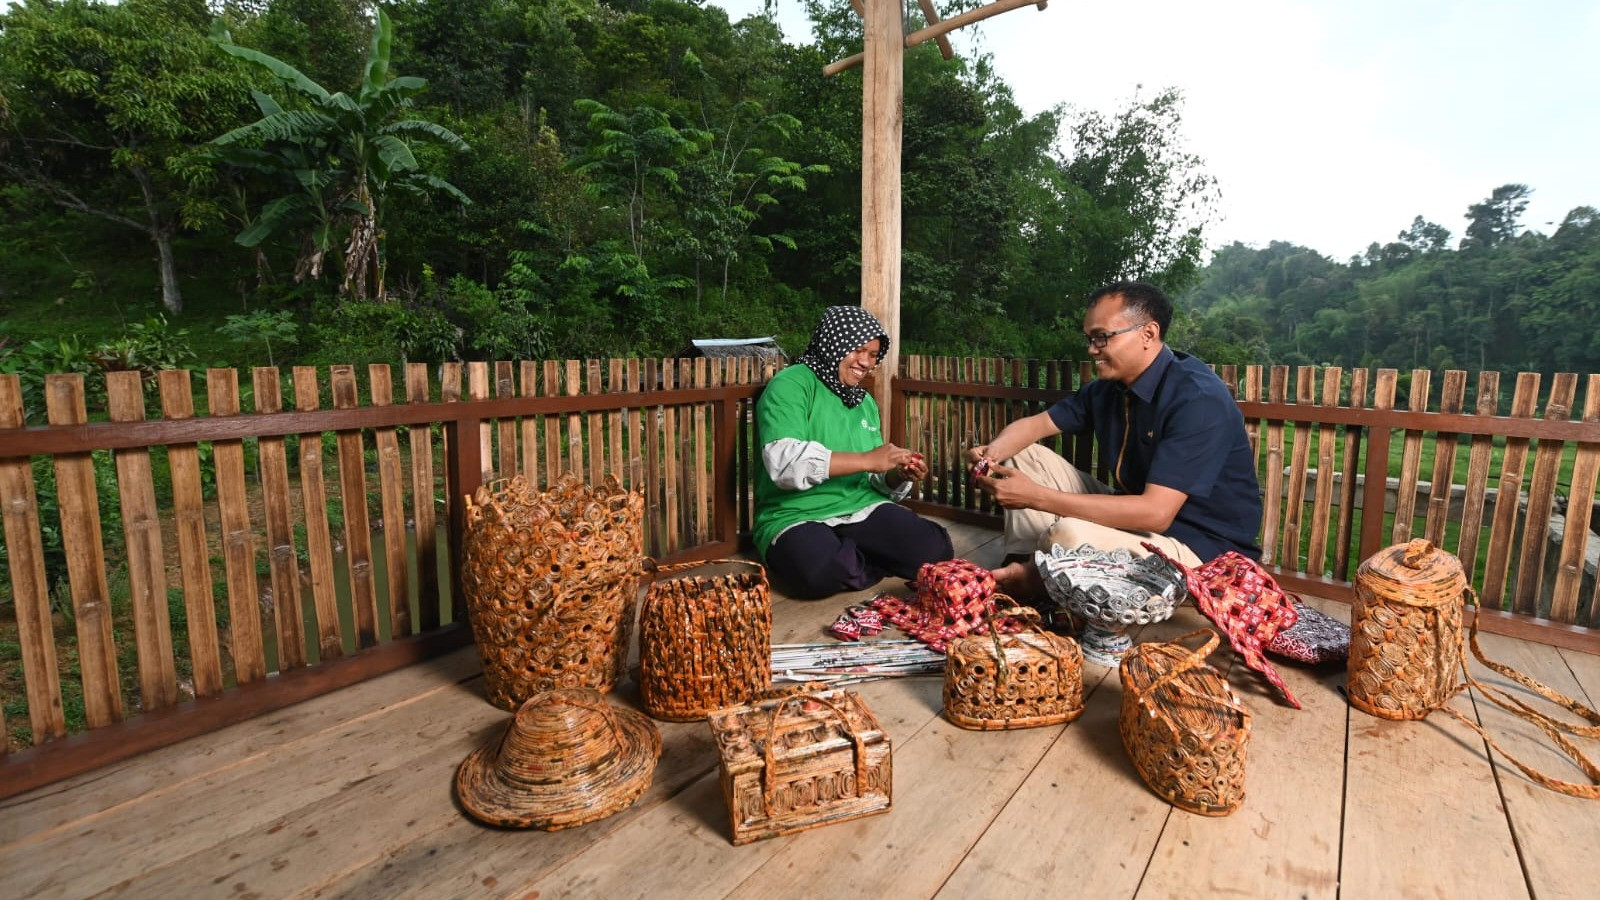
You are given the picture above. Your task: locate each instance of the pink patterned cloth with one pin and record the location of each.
(954, 598)
(1246, 603)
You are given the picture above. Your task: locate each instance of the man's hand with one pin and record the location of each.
(1009, 487)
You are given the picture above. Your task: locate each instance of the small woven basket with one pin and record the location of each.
(705, 642)
(1184, 729)
(549, 581)
(1024, 680)
(1405, 640)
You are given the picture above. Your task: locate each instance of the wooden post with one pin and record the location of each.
(881, 119)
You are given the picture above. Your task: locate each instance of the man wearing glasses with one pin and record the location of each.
(1182, 473)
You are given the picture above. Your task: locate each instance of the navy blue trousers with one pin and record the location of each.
(813, 560)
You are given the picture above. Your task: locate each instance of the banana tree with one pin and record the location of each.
(338, 157)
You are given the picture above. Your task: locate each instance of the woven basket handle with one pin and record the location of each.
(1510, 703)
(1552, 727)
(860, 746)
(1030, 617)
(1194, 660)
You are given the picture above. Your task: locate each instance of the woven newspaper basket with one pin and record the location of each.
(568, 757)
(801, 762)
(1405, 635)
(1406, 647)
(1000, 682)
(549, 580)
(705, 642)
(1184, 729)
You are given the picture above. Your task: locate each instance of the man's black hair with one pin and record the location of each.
(1140, 300)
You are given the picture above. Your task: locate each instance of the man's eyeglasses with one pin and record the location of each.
(1100, 340)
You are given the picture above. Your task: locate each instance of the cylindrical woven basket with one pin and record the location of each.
(1023, 680)
(549, 582)
(1405, 632)
(705, 642)
(1184, 729)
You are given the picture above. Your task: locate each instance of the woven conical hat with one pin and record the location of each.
(566, 758)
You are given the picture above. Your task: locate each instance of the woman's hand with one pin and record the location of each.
(913, 469)
(888, 460)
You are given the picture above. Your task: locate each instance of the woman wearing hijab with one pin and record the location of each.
(825, 521)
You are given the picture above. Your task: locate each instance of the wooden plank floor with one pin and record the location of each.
(350, 796)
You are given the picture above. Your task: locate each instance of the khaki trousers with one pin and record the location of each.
(1028, 530)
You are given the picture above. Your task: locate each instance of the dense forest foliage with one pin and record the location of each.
(271, 181)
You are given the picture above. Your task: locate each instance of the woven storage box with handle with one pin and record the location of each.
(705, 642)
(801, 762)
(549, 580)
(998, 682)
(1184, 729)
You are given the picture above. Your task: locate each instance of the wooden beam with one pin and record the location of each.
(932, 17)
(967, 18)
(935, 31)
(882, 120)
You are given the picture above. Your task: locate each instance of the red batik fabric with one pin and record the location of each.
(954, 598)
(1243, 600)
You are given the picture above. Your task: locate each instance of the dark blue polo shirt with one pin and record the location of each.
(1187, 434)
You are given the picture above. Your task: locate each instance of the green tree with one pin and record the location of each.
(736, 179)
(100, 102)
(340, 156)
(1496, 220)
(1425, 237)
(322, 38)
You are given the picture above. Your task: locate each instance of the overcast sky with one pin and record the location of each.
(1328, 123)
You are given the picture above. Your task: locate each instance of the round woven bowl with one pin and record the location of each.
(568, 757)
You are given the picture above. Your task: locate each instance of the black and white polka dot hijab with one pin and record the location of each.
(841, 331)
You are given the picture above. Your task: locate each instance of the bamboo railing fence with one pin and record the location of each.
(261, 555)
(245, 577)
(1325, 458)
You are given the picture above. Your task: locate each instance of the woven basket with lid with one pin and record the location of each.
(1405, 641)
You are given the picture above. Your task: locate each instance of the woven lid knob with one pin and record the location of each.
(1417, 553)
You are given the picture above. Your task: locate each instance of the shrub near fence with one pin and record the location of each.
(292, 548)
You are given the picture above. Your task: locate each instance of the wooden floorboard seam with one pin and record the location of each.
(1022, 784)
